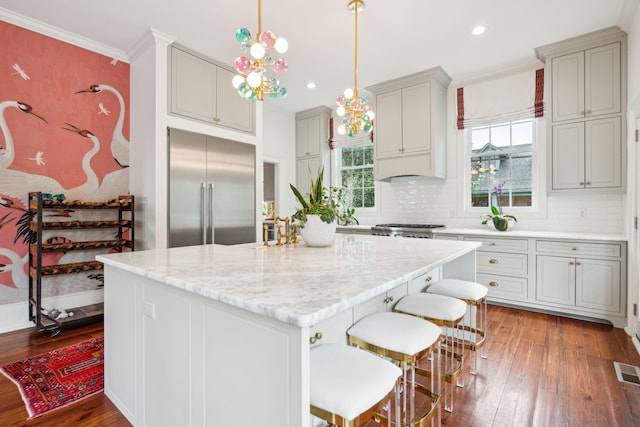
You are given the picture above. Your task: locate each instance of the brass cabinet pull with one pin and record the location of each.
(588, 111)
(588, 183)
(572, 263)
(581, 182)
(428, 279)
(493, 261)
(315, 338)
(575, 248)
(387, 300)
(493, 283)
(578, 263)
(493, 243)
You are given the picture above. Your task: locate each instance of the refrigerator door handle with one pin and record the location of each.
(203, 217)
(211, 211)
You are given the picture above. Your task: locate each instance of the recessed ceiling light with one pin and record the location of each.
(311, 85)
(479, 30)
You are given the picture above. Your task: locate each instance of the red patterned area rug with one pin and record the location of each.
(60, 377)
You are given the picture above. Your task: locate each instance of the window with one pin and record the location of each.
(501, 164)
(356, 172)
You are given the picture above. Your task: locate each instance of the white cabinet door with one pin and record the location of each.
(416, 119)
(193, 86)
(603, 153)
(568, 156)
(308, 137)
(203, 91)
(388, 124)
(586, 83)
(602, 80)
(555, 280)
(598, 284)
(233, 110)
(587, 154)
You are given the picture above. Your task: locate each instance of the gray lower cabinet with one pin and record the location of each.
(571, 277)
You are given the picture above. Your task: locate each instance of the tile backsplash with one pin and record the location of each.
(424, 200)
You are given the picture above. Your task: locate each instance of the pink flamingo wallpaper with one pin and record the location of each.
(65, 129)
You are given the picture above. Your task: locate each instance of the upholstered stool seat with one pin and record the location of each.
(446, 312)
(474, 325)
(406, 340)
(350, 386)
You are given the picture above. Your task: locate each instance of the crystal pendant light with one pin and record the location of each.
(253, 80)
(354, 110)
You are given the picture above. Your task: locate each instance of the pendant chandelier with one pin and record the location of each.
(354, 110)
(253, 81)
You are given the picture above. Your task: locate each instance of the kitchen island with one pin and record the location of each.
(219, 335)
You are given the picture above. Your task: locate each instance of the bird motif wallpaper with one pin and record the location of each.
(65, 130)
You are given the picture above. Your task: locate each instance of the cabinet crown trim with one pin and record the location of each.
(433, 74)
(586, 41)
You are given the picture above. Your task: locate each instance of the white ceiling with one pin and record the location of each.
(396, 37)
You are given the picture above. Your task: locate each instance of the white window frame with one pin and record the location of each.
(538, 185)
(336, 177)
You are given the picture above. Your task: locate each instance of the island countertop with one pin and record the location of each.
(299, 285)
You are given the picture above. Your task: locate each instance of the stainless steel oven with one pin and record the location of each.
(420, 231)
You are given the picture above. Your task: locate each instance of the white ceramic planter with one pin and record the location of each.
(317, 232)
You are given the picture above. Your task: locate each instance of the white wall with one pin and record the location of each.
(279, 147)
(630, 22)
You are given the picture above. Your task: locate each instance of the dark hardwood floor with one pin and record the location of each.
(93, 411)
(541, 370)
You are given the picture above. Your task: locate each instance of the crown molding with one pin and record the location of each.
(65, 36)
(151, 38)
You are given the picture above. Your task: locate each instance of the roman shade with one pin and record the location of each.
(506, 98)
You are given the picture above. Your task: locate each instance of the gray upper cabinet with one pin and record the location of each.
(201, 89)
(410, 125)
(585, 95)
(586, 83)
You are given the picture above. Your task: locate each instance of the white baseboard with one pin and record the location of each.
(636, 343)
(16, 316)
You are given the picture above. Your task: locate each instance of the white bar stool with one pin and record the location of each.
(350, 386)
(474, 323)
(447, 313)
(406, 340)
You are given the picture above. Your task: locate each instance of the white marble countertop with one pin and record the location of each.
(485, 231)
(298, 285)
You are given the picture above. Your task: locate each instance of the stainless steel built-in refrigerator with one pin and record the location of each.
(211, 190)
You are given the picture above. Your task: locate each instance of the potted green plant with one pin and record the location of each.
(499, 220)
(319, 214)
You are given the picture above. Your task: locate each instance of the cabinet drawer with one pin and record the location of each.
(500, 245)
(579, 248)
(501, 263)
(504, 286)
(445, 237)
(420, 283)
(332, 330)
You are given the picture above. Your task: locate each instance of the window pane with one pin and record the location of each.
(368, 154)
(508, 184)
(346, 177)
(479, 138)
(368, 177)
(347, 156)
(522, 133)
(369, 198)
(356, 173)
(501, 135)
(357, 197)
